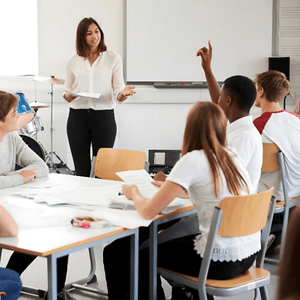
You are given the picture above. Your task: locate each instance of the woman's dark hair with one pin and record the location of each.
(7, 102)
(81, 45)
(206, 130)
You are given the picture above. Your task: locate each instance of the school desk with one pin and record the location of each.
(57, 241)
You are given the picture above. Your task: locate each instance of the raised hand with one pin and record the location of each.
(206, 56)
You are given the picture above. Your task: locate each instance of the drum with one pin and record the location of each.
(26, 114)
(32, 127)
(34, 145)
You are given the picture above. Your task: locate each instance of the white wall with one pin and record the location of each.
(140, 126)
(158, 123)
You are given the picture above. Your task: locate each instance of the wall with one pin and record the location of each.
(155, 124)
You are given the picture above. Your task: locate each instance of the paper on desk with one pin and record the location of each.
(85, 95)
(142, 180)
(124, 218)
(96, 196)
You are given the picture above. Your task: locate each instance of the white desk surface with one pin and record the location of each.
(46, 240)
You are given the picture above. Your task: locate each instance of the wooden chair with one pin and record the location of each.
(274, 159)
(235, 216)
(110, 160)
(105, 165)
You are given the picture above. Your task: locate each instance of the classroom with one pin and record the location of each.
(150, 37)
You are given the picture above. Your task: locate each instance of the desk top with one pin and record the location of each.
(45, 241)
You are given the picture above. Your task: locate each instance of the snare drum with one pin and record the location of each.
(34, 145)
(32, 127)
(26, 114)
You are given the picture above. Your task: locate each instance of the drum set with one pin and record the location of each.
(30, 124)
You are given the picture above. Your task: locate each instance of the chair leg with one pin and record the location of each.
(202, 295)
(264, 293)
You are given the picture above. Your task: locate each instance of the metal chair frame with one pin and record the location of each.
(201, 283)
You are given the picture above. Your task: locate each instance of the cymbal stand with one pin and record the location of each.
(52, 165)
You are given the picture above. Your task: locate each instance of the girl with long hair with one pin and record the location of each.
(208, 171)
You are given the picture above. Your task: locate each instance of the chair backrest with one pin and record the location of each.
(251, 212)
(270, 152)
(110, 160)
(244, 215)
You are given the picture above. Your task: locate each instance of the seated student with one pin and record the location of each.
(236, 97)
(289, 276)
(14, 151)
(282, 128)
(209, 171)
(10, 281)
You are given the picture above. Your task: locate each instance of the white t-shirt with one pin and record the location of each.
(283, 129)
(193, 173)
(245, 138)
(105, 76)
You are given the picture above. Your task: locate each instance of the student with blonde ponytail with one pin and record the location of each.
(209, 171)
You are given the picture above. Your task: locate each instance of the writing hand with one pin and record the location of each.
(128, 190)
(206, 56)
(68, 97)
(28, 175)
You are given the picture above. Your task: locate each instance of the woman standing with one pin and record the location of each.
(94, 69)
(209, 171)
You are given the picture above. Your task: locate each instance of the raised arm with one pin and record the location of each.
(149, 208)
(213, 86)
(8, 226)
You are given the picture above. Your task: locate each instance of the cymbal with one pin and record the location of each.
(51, 80)
(36, 105)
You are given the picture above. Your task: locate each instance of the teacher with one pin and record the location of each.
(94, 69)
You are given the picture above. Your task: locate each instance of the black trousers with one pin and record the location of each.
(20, 261)
(177, 255)
(86, 127)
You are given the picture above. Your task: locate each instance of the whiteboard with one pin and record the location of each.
(163, 37)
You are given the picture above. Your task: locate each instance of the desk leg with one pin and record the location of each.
(153, 262)
(52, 277)
(134, 264)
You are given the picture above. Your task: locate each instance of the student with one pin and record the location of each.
(92, 69)
(10, 281)
(236, 97)
(14, 151)
(282, 128)
(289, 276)
(209, 171)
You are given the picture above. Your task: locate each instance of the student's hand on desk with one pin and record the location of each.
(68, 97)
(128, 190)
(158, 183)
(206, 56)
(28, 175)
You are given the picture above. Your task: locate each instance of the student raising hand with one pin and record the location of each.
(206, 55)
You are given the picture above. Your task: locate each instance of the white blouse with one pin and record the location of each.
(105, 76)
(193, 173)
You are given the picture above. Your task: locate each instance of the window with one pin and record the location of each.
(19, 37)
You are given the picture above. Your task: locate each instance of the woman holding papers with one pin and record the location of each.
(94, 69)
(209, 171)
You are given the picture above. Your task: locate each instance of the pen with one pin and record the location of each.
(78, 223)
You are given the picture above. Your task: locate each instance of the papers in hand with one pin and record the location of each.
(143, 181)
(85, 95)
